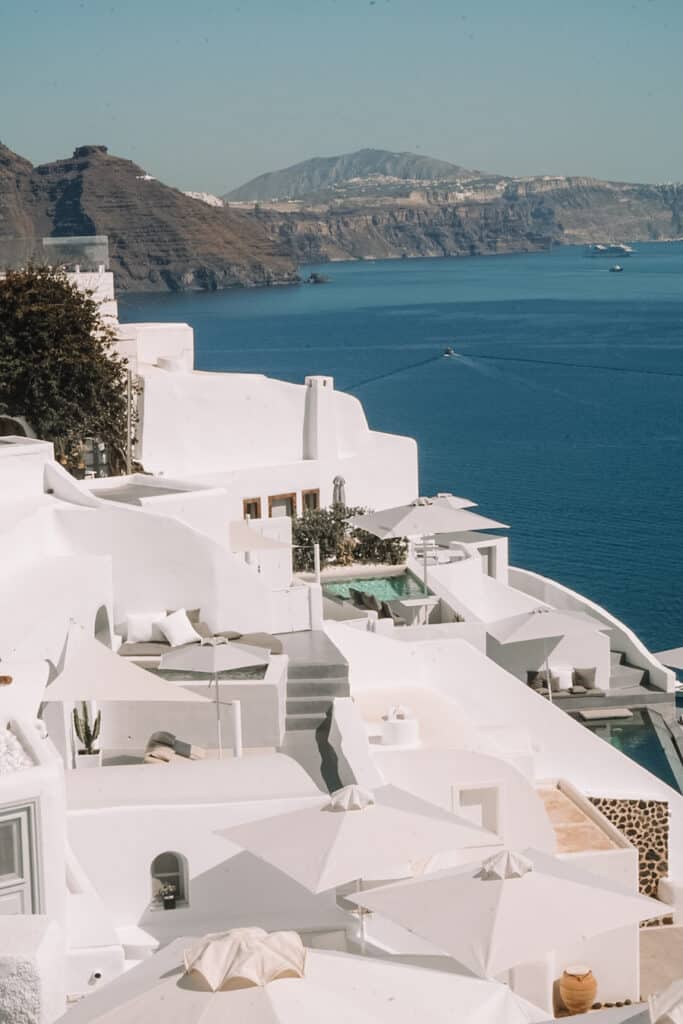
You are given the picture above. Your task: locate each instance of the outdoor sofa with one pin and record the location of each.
(157, 648)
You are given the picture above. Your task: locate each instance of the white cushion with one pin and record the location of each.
(178, 629)
(565, 674)
(141, 627)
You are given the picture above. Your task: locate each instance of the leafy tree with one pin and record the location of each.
(58, 367)
(339, 542)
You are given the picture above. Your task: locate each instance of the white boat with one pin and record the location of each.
(610, 249)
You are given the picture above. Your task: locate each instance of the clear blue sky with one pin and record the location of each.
(208, 93)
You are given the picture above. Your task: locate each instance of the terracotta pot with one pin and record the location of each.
(578, 988)
(5, 680)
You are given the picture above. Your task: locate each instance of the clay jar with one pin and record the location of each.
(578, 988)
(5, 680)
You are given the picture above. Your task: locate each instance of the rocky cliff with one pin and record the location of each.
(159, 238)
(394, 230)
(508, 216)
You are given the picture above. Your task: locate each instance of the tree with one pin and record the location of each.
(58, 366)
(339, 541)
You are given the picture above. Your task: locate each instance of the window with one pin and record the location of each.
(281, 505)
(170, 869)
(19, 890)
(310, 500)
(251, 508)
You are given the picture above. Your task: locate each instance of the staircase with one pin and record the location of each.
(318, 673)
(625, 676)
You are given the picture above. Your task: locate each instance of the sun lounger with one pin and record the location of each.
(162, 747)
(390, 613)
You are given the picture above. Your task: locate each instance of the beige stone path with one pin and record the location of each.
(574, 831)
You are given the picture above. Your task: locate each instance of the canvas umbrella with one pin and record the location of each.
(509, 909)
(248, 976)
(452, 500)
(339, 491)
(423, 518)
(210, 658)
(244, 538)
(94, 673)
(356, 834)
(542, 624)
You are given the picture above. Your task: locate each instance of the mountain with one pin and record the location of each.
(323, 173)
(159, 238)
(15, 184)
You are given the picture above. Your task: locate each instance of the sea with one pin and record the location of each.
(559, 412)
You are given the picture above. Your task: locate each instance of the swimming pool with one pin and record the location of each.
(384, 588)
(637, 738)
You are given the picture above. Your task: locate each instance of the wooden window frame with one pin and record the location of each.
(304, 495)
(251, 501)
(291, 496)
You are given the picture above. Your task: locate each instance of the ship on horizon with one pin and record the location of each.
(609, 249)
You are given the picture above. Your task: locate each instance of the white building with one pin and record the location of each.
(83, 852)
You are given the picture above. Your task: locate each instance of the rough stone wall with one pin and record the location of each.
(645, 823)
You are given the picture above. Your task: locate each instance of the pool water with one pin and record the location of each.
(384, 588)
(636, 737)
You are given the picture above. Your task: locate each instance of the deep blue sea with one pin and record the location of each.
(561, 414)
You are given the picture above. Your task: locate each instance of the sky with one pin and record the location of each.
(206, 94)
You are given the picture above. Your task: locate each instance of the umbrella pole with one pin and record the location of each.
(361, 911)
(219, 733)
(424, 562)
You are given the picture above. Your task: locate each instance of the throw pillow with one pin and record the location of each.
(565, 677)
(192, 614)
(584, 677)
(141, 627)
(178, 629)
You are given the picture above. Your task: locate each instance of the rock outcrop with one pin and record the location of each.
(159, 238)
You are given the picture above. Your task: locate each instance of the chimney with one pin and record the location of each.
(320, 424)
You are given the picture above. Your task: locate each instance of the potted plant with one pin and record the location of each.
(89, 754)
(167, 895)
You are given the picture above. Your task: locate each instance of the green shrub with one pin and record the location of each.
(339, 541)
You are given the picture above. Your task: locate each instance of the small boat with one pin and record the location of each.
(616, 269)
(448, 351)
(609, 249)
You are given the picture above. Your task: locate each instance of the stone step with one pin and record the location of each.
(308, 705)
(616, 657)
(318, 687)
(624, 676)
(298, 723)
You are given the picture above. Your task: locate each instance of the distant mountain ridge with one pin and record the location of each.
(323, 172)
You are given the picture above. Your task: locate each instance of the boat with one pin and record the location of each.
(448, 351)
(616, 269)
(610, 249)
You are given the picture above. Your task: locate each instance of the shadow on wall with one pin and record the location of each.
(239, 892)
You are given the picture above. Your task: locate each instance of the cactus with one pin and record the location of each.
(86, 733)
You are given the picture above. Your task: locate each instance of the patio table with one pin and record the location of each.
(415, 610)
